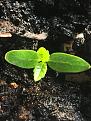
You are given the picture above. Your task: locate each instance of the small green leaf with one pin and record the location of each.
(63, 62)
(44, 54)
(40, 71)
(22, 58)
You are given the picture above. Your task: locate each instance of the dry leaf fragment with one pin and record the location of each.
(40, 36)
(13, 85)
(5, 34)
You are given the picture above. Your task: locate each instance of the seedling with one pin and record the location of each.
(60, 62)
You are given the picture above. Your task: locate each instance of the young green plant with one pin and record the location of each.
(60, 62)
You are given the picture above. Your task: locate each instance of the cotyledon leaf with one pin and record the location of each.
(22, 58)
(63, 62)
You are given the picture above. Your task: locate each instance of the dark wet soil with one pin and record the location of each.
(57, 97)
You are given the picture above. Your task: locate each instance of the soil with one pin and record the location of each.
(57, 97)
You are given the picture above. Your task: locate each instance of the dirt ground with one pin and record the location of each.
(53, 24)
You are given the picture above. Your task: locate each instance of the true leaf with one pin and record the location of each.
(63, 62)
(43, 54)
(40, 71)
(22, 58)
